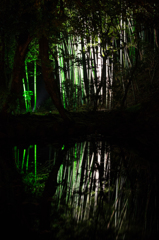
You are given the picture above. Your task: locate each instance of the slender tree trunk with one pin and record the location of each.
(156, 40)
(50, 82)
(18, 71)
(104, 79)
(86, 82)
(130, 81)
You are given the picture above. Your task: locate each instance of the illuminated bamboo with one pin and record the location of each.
(24, 152)
(24, 90)
(93, 64)
(35, 97)
(27, 83)
(27, 161)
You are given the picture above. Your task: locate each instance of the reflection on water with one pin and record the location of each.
(22, 161)
(94, 181)
(84, 177)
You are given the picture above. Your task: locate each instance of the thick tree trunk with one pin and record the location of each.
(18, 67)
(50, 82)
(49, 191)
(18, 72)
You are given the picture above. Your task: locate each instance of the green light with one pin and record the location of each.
(63, 147)
(27, 80)
(26, 72)
(75, 150)
(27, 95)
(62, 79)
(24, 92)
(27, 158)
(34, 85)
(23, 158)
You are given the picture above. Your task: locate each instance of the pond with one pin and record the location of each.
(97, 188)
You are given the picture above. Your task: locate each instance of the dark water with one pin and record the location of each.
(95, 189)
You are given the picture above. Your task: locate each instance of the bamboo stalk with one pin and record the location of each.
(35, 97)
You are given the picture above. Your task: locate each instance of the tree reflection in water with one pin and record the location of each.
(109, 189)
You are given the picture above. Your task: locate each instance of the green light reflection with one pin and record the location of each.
(34, 85)
(24, 152)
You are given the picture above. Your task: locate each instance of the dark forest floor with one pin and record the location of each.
(140, 121)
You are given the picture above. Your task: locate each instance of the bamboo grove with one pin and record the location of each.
(94, 53)
(89, 64)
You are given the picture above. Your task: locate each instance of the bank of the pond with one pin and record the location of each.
(133, 122)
